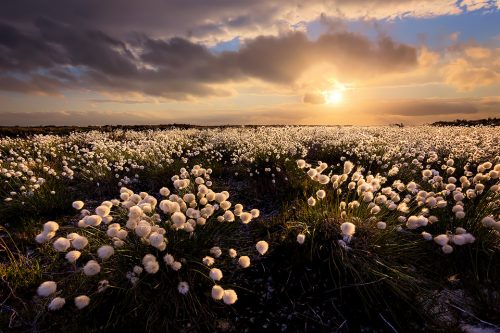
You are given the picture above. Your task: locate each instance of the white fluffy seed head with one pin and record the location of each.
(215, 274)
(103, 210)
(176, 265)
(447, 249)
(91, 268)
(228, 216)
(62, 244)
(301, 238)
(208, 261)
(143, 228)
(169, 259)
(348, 228)
(178, 219)
(255, 213)
(79, 242)
(427, 236)
(164, 191)
(93, 220)
(246, 217)
(105, 252)
(183, 287)
(217, 292)
(230, 296)
(82, 301)
(156, 239)
(56, 304)
(152, 267)
(321, 194)
(77, 204)
(47, 288)
(216, 251)
(244, 261)
(50, 226)
(262, 247)
(72, 236)
(441, 239)
(72, 256)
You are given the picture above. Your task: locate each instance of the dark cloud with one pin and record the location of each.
(59, 56)
(201, 18)
(313, 98)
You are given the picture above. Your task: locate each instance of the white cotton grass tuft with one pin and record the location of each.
(244, 261)
(216, 251)
(105, 252)
(50, 226)
(93, 220)
(208, 261)
(44, 237)
(347, 228)
(215, 274)
(150, 264)
(245, 217)
(82, 301)
(61, 244)
(230, 296)
(79, 242)
(301, 238)
(381, 225)
(301, 164)
(255, 213)
(56, 304)
(232, 253)
(178, 219)
(427, 236)
(72, 256)
(321, 194)
(217, 292)
(183, 287)
(262, 247)
(441, 239)
(348, 166)
(169, 259)
(77, 204)
(311, 201)
(152, 267)
(164, 191)
(47, 288)
(176, 265)
(447, 249)
(91, 268)
(103, 210)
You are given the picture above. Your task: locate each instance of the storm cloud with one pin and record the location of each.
(57, 56)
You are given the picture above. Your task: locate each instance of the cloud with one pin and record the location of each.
(477, 52)
(69, 58)
(314, 98)
(218, 20)
(466, 76)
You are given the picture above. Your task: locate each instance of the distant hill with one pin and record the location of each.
(463, 122)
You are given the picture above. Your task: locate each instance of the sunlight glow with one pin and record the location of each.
(334, 96)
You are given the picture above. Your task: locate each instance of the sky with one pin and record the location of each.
(217, 62)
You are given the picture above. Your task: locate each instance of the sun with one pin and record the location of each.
(335, 95)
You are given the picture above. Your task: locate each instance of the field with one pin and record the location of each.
(279, 229)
